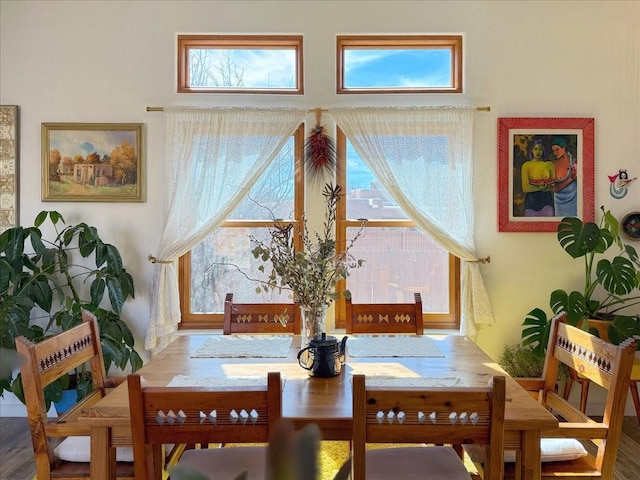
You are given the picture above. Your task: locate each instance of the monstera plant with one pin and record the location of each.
(46, 283)
(611, 283)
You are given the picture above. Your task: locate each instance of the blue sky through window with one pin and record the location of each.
(389, 68)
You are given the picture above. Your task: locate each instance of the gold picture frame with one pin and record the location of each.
(93, 162)
(9, 194)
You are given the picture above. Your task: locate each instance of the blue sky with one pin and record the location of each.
(404, 68)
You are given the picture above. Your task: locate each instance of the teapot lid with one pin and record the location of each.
(323, 340)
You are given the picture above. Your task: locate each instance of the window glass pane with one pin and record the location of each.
(399, 262)
(242, 68)
(366, 197)
(273, 194)
(397, 68)
(399, 64)
(214, 270)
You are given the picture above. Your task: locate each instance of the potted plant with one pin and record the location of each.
(45, 285)
(611, 283)
(311, 274)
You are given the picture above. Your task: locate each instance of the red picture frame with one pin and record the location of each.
(545, 172)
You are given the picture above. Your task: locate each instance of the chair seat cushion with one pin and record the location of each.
(415, 463)
(225, 463)
(78, 449)
(551, 450)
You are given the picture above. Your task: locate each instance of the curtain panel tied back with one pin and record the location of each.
(424, 159)
(213, 157)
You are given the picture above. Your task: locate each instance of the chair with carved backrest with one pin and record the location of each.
(432, 415)
(192, 415)
(385, 317)
(609, 366)
(274, 318)
(44, 363)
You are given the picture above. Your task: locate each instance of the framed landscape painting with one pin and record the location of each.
(93, 162)
(545, 172)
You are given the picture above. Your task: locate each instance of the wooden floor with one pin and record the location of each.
(16, 455)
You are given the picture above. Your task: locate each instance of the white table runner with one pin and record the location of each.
(392, 346)
(189, 381)
(229, 346)
(424, 382)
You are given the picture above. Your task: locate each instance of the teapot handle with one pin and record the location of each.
(299, 359)
(343, 349)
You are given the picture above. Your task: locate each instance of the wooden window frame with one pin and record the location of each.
(378, 42)
(234, 42)
(191, 320)
(449, 320)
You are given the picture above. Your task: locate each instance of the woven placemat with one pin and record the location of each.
(392, 346)
(229, 346)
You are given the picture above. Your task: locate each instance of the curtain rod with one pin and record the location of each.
(313, 110)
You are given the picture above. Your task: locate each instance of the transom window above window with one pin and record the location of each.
(399, 64)
(240, 64)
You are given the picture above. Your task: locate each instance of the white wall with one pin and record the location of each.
(106, 61)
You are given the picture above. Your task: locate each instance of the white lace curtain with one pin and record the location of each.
(213, 157)
(407, 149)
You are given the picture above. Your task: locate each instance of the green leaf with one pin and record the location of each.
(55, 217)
(97, 292)
(115, 294)
(578, 240)
(40, 218)
(537, 330)
(572, 303)
(623, 327)
(113, 258)
(617, 277)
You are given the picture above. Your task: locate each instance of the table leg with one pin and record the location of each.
(103, 458)
(530, 464)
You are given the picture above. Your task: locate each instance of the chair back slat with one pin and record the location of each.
(385, 317)
(274, 318)
(191, 415)
(64, 352)
(429, 415)
(587, 354)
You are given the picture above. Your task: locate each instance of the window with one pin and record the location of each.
(399, 64)
(399, 259)
(212, 268)
(240, 64)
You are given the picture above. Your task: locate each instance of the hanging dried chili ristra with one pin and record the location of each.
(320, 151)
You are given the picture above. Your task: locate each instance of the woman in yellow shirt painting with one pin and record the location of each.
(538, 177)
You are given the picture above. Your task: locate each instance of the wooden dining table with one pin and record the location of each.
(325, 401)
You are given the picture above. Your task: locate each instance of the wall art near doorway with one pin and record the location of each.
(93, 162)
(8, 167)
(545, 172)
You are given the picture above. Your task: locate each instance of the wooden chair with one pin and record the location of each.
(425, 415)
(192, 415)
(271, 318)
(602, 363)
(385, 317)
(45, 362)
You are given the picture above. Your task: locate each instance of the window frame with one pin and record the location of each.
(449, 320)
(190, 320)
(382, 42)
(235, 42)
